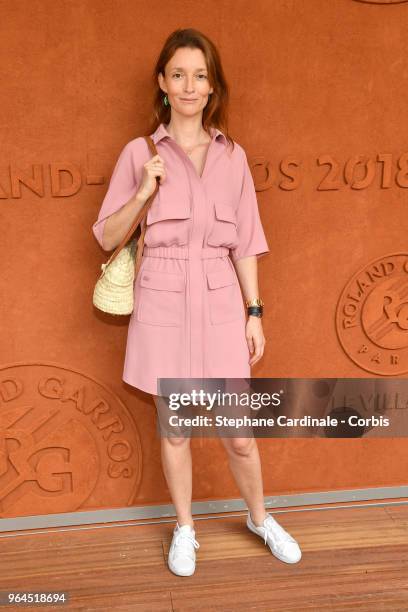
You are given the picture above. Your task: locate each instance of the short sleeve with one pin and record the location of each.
(122, 186)
(251, 236)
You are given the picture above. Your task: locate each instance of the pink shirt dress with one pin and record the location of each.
(189, 315)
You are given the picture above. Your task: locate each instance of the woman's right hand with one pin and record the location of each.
(154, 167)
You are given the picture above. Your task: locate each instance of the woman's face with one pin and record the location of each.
(186, 81)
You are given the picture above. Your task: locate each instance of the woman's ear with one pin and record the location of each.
(161, 81)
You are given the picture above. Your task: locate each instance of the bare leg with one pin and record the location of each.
(177, 469)
(245, 465)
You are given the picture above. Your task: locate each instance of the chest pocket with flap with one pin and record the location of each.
(223, 231)
(168, 220)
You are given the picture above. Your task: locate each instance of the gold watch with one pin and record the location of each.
(254, 302)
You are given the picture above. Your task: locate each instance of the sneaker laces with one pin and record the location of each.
(276, 532)
(182, 537)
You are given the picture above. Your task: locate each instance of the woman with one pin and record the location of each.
(202, 241)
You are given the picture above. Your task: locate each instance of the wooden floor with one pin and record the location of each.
(353, 559)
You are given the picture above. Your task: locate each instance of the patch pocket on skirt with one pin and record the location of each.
(224, 296)
(224, 228)
(161, 299)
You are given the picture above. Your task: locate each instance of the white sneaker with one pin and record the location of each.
(182, 555)
(282, 545)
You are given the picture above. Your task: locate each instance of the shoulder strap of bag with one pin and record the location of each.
(140, 216)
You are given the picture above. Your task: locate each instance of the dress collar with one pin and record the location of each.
(161, 133)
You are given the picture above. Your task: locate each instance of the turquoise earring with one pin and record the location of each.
(165, 100)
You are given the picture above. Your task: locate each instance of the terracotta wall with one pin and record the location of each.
(318, 102)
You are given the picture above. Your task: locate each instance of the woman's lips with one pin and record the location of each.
(187, 100)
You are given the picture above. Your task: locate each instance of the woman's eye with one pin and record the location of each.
(200, 76)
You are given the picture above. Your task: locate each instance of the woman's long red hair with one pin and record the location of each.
(215, 112)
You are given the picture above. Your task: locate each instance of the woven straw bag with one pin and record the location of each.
(114, 290)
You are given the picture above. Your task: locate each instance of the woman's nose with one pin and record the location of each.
(189, 84)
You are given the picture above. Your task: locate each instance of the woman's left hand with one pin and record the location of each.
(255, 338)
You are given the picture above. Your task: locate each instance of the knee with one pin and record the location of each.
(241, 447)
(175, 442)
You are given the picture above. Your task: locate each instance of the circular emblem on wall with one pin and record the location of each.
(372, 316)
(68, 442)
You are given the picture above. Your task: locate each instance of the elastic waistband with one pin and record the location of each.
(175, 252)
